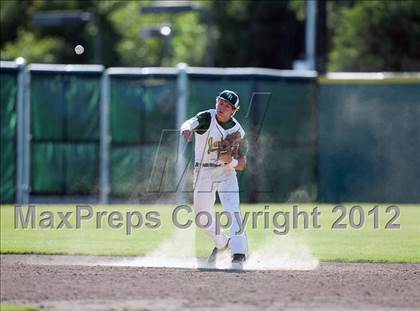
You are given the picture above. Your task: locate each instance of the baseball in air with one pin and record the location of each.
(79, 49)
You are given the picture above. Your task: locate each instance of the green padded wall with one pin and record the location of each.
(65, 111)
(328, 141)
(369, 142)
(142, 108)
(8, 96)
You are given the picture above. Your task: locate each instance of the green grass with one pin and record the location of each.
(356, 245)
(17, 308)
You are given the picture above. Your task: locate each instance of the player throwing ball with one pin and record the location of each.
(220, 151)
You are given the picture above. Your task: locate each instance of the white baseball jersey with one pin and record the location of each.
(208, 142)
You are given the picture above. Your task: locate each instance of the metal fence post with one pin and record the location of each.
(310, 34)
(27, 136)
(181, 114)
(20, 133)
(23, 137)
(105, 139)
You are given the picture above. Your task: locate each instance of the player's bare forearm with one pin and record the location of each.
(241, 163)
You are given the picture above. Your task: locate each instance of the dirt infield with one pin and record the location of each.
(78, 283)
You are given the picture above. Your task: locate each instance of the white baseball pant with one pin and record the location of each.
(222, 179)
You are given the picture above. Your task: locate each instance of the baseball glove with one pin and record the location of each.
(230, 144)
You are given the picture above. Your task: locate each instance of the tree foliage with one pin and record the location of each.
(378, 36)
(362, 35)
(20, 38)
(188, 37)
(44, 50)
(257, 33)
(120, 23)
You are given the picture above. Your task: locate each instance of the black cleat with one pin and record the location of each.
(213, 256)
(238, 258)
(238, 261)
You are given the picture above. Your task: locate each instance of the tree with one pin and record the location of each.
(120, 23)
(189, 38)
(40, 50)
(257, 33)
(54, 44)
(377, 36)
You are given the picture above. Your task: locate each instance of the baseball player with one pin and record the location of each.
(220, 151)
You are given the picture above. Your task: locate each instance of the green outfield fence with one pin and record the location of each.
(8, 115)
(86, 133)
(369, 138)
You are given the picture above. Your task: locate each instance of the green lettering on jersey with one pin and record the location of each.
(213, 146)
